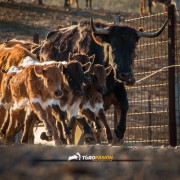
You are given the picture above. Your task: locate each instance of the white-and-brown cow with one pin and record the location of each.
(92, 103)
(34, 88)
(11, 54)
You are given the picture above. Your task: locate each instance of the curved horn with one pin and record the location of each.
(152, 34)
(98, 30)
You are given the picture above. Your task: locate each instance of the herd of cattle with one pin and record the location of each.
(143, 4)
(70, 79)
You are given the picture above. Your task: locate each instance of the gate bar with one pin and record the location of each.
(171, 76)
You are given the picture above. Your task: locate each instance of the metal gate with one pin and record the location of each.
(153, 117)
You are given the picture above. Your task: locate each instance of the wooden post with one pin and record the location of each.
(171, 76)
(36, 38)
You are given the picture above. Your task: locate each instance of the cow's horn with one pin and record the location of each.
(152, 34)
(98, 30)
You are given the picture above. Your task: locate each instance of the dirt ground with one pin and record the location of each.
(49, 162)
(21, 161)
(22, 20)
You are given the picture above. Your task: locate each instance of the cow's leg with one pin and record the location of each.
(122, 108)
(52, 123)
(77, 3)
(142, 7)
(20, 125)
(42, 115)
(10, 133)
(5, 122)
(60, 131)
(66, 3)
(102, 117)
(150, 6)
(92, 117)
(164, 7)
(62, 116)
(31, 129)
(87, 132)
(27, 125)
(87, 3)
(90, 1)
(72, 127)
(3, 115)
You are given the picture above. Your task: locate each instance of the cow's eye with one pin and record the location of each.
(49, 81)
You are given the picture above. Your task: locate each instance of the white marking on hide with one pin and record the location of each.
(96, 109)
(58, 102)
(64, 62)
(52, 62)
(13, 69)
(73, 109)
(6, 105)
(44, 104)
(28, 110)
(27, 61)
(48, 63)
(21, 104)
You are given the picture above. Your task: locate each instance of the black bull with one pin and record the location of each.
(112, 45)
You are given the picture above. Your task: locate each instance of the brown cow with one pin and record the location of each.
(11, 56)
(68, 3)
(33, 88)
(92, 104)
(26, 44)
(74, 73)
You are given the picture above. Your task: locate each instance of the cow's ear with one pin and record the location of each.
(38, 70)
(100, 38)
(50, 34)
(108, 70)
(2, 70)
(141, 29)
(86, 67)
(70, 57)
(92, 58)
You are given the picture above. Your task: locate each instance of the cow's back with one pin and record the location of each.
(12, 57)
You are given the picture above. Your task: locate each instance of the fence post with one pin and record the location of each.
(36, 38)
(117, 20)
(150, 119)
(171, 76)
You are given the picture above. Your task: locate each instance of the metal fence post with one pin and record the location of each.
(171, 76)
(150, 119)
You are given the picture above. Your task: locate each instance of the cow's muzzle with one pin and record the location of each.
(58, 93)
(87, 79)
(127, 78)
(78, 92)
(102, 89)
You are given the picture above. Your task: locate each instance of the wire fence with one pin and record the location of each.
(149, 119)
